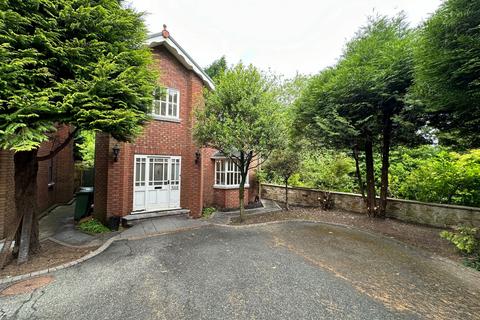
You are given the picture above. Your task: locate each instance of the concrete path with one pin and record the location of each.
(269, 206)
(59, 225)
(290, 270)
(162, 225)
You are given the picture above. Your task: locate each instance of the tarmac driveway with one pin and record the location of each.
(293, 270)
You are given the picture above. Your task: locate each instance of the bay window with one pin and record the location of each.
(227, 174)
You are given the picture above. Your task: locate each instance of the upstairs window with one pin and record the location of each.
(166, 103)
(227, 174)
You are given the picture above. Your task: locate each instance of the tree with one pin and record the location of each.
(361, 102)
(85, 146)
(241, 119)
(447, 71)
(284, 163)
(217, 68)
(80, 63)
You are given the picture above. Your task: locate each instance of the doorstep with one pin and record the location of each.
(134, 218)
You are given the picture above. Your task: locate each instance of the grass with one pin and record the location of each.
(92, 226)
(207, 212)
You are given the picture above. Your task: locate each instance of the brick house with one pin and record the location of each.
(164, 169)
(55, 179)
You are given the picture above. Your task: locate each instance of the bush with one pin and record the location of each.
(326, 170)
(466, 240)
(207, 212)
(434, 174)
(92, 226)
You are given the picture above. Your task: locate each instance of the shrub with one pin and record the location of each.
(465, 239)
(435, 174)
(93, 226)
(207, 212)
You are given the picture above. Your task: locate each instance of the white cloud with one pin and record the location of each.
(286, 36)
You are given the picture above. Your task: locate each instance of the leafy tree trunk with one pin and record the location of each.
(370, 177)
(387, 132)
(26, 167)
(358, 174)
(286, 195)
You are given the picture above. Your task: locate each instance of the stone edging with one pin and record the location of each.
(92, 254)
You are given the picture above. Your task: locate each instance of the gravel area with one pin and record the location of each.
(51, 254)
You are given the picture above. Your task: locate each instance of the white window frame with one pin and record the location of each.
(169, 105)
(226, 170)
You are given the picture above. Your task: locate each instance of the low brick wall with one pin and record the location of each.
(434, 214)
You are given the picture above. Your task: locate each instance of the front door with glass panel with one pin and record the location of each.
(156, 183)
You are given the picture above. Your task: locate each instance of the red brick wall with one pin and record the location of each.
(158, 138)
(114, 180)
(228, 198)
(63, 176)
(63, 169)
(7, 191)
(208, 167)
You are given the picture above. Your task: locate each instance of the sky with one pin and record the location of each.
(287, 37)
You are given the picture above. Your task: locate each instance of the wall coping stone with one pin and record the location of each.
(432, 204)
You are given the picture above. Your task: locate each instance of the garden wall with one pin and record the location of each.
(438, 215)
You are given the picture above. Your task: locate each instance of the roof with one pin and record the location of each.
(221, 155)
(164, 38)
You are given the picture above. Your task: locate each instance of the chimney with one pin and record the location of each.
(165, 32)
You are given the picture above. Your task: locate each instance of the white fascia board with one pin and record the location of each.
(182, 56)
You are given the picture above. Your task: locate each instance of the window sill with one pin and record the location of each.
(167, 119)
(216, 186)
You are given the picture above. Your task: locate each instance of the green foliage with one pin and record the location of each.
(76, 62)
(86, 148)
(344, 104)
(434, 174)
(283, 163)
(207, 212)
(326, 170)
(217, 68)
(329, 171)
(92, 226)
(465, 239)
(448, 71)
(240, 116)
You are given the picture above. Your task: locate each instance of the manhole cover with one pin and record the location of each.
(26, 286)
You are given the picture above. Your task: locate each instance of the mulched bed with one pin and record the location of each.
(51, 255)
(419, 236)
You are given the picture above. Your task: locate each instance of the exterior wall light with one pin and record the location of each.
(116, 152)
(197, 156)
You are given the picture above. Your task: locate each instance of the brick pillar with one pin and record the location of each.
(7, 192)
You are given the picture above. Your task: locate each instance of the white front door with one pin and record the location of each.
(156, 183)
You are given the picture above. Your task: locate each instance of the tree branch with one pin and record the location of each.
(53, 153)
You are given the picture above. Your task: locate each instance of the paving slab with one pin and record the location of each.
(224, 217)
(162, 225)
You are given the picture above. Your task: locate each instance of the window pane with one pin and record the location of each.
(163, 108)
